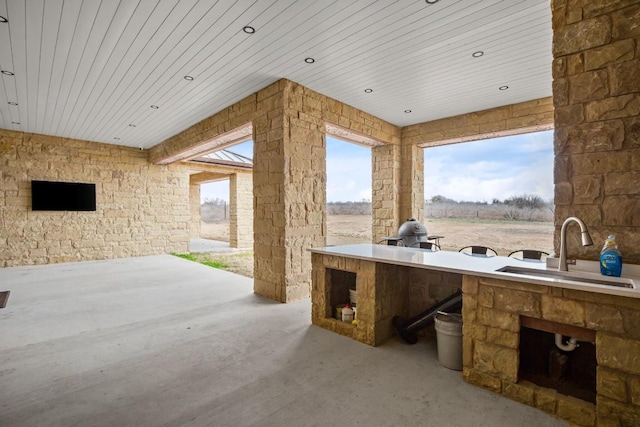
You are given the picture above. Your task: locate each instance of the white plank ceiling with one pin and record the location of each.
(92, 69)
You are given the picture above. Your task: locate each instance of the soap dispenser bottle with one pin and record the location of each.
(610, 258)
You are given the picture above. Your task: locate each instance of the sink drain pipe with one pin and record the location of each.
(569, 346)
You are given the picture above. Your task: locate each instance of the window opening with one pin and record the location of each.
(348, 192)
(494, 192)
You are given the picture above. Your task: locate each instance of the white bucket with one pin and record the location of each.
(352, 296)
(449, 336)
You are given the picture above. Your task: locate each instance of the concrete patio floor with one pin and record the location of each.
(162, 341)
(208, 245)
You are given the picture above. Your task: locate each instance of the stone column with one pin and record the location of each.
(596, 93)
(411, 182)
(289, 189)
(385, 203)
(241, 210)
(194, 211)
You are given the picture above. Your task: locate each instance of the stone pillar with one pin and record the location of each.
(194, 211)
(241, 210)
(411, 182)
(289, 178)
(596, 93)
(385, 203)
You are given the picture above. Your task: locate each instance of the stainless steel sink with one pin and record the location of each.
(587, 278)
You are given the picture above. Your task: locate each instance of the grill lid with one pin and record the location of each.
(412, 228)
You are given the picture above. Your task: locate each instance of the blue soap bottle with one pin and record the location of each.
(610, 258)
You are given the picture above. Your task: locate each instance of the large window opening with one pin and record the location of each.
(215, 196)
(348, 192)
(214, 210)
(495, 192)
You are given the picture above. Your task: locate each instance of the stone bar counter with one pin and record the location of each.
(508, 316)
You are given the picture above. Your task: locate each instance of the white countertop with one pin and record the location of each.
(456, 262)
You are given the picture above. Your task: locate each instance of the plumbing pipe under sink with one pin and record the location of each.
(569, 346)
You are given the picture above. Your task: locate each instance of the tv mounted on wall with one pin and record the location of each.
(62, 196)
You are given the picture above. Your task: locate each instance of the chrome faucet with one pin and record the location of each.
(584, 234)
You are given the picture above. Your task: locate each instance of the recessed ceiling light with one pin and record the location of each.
(309, 60)
(188, 78)
(368, 90)
(12, 103)
(131, 125)
(503, 87)
(477, 54)
(155, 107)
(249, 30)
(3, 19)
(15, 123)
(6, 73)
(407, 111)
(431, 1)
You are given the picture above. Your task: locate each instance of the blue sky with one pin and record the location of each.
(473, 171)
(493, 168)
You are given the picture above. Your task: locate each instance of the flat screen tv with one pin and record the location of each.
(62, 196)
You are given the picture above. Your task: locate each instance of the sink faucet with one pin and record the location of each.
(584, 234)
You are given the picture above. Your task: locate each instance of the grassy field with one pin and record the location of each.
(501, 235)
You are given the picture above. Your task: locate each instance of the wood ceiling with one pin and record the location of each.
(92, 69)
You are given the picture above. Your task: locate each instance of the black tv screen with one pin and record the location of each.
(62, 196)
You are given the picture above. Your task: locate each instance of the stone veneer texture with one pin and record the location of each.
(289, 176)
(596, 92)
(491, 335)
(194, 211)
(383, 291)
(142, 209)
(241, 210)
(511, 119)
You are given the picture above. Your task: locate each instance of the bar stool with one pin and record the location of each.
(529, 254)
(475, 250)
(431, 246)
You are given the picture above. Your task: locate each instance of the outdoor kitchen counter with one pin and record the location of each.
(457, 262)
(381, 273)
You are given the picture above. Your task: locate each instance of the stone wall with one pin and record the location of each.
(596, 92)
(530, 116)
(142, 209)
(241, 210)
(289, 177)
(194, 211)
(492, 311)
(411, 183)
(383, 292)
(385, 197)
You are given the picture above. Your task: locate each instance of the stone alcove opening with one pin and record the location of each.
(338, 284)
(571, 373)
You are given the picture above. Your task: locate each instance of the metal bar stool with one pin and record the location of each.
(476, 250)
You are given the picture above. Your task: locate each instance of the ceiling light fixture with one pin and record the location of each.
(12, 103)
(477, 54)
(407, 111)
(3, 19)
(189, 78)
(368, 90)
(503, 87)
(6, 73)
(155, 107)
(431, 1)
(249, 30)
(309, 60)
